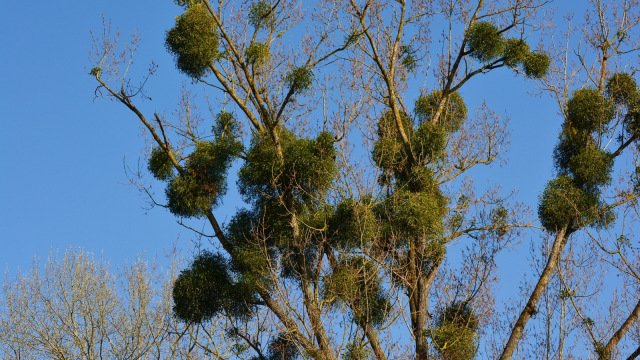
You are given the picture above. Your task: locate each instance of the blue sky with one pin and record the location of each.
(62, 150)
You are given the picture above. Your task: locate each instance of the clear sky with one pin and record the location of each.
(62, 150)
(62, 181)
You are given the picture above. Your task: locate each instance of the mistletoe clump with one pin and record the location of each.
(257, 53)
(419, 213)
(203, 179)
(563, 203)
(485, 41)
(160, 164)
(251, 258)
(299, 79)
(515, 52)
(193, 41)
(357, 350)
(588, 110)
(208, 288)
(455, 335)
(388, 151)
(486, 44)
(356, 282)
(261, 13)
(352, 225)
(282, 180)
(572, 200)
(536, 65)
(452, 115)
(622, 89)
(308, 167)
(282, 347)
(591, 167)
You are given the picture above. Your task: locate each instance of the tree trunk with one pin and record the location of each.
(615, 339)
(543, 281)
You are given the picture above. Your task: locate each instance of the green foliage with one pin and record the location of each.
(565, 294)
(429, 141)
(624, 241)
(485, 41)
(562, 203)
(226, 125)
(352, 225)
(570, 143)
(209, 163)
(409, 62)
(356, 282)
(185, 198)
(454, 343)
(296, 254)
(572, 199)
(95, 71)
(434, 252)
(282, 347)
(193, 41)
(591, 167)
(455, 333)
(407, 59)
(160, 164)
(420, 179)
(308, 170)
(299, 79)
(536, 65)
(417, 207)
(389, 155)
(621, 88)
(454, 113)
(260, 13)
(516, 52)
(588, 110)
(636, 180)
(601, 349)
(257, 53)
(357, 350)
(419, 214)
(204, 180)
(388, 151)
(387, 127)
(352, 38)
(460, 314)
(249, 252)
(207, 288)
(499, 217)
(632, 117)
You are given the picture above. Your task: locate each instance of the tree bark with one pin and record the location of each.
(615, 339)
(418, 305)
(543, 281)
(635, 354)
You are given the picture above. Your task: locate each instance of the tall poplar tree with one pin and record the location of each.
(340, 246)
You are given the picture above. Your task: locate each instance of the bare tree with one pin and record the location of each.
(76, 306)
(596, 60)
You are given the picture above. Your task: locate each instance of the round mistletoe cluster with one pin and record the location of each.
(573, 198)
(486, 43)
